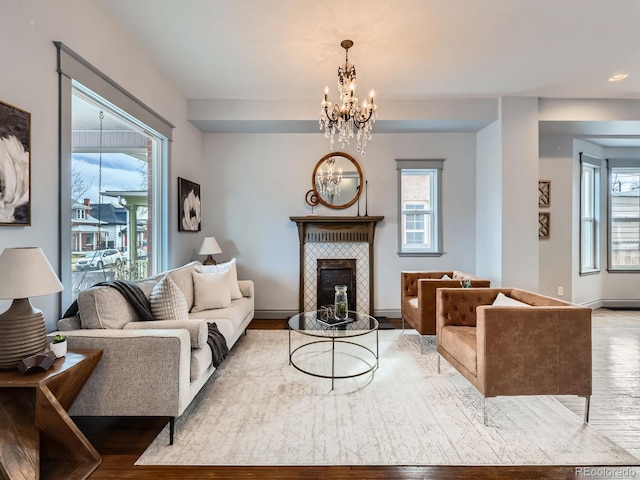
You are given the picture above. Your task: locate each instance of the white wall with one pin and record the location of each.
(255, 182)
(555, 253)
(29, 80)
(489, 204)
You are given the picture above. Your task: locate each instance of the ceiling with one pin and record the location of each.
(404, 49)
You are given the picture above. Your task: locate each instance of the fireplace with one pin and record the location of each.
(338, 239)
(332, 272)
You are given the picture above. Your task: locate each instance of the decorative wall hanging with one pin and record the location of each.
(189, 207)
(544, 193)
(544, 225)
(15, 166)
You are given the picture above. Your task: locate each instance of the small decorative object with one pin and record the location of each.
(15, 167)
(40, 362)
(59, 346)
(209, 247)
(312, 199)
(23, 332)
(189, 207)
(465, 283)
(340, 303)
(544, 193)
(544, 225)
(366, 198)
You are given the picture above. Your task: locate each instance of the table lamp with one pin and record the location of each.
(25, 272)
(209, 247)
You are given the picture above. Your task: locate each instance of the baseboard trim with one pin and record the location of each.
(593, 305)
(624, 303)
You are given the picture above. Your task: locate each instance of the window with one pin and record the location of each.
(113, 179)
(589, 214)
(420, 231)
(624, 215)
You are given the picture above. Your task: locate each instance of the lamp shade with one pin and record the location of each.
(26, 273)
(209, 246)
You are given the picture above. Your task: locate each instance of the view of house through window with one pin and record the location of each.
(112, 168)
(624, 225)
(419, 206)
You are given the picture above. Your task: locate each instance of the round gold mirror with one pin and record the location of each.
(337, 180)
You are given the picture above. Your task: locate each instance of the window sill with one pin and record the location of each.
(635, 270)
(420, 254)
(589, 272)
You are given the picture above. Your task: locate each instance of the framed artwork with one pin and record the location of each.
(15, 166)
(189, 206)
(544, 225)
(544, 193)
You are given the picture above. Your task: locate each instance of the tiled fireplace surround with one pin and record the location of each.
(336, 237)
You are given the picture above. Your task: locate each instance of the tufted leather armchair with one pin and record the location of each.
(540, 349)
(418, 303)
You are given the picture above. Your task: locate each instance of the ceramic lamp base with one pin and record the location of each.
(209, 261)
(23, 333)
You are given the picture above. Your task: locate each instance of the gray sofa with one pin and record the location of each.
(149, 368)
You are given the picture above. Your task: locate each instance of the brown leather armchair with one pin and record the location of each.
(540, 349)
(418, 303)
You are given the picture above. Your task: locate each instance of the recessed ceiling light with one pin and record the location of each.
(618, 76)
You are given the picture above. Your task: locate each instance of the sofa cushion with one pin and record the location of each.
(503, 301)
(146, 285)
(182, 277)
(167, 301)
(236, 313)
(461, 344)
(232, 279)
(104, 307)
(211, 290)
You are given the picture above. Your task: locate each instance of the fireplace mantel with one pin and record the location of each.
(336, 229)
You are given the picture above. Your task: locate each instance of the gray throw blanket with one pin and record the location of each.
(217, 343)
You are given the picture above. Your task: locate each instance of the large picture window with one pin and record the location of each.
(114, 153)
(419, 184)
(624, 215)
(589, 214)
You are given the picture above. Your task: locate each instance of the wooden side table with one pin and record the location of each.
(38, 439)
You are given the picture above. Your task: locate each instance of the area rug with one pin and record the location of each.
(259, 410)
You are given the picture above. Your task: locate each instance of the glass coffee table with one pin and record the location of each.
(317, 330)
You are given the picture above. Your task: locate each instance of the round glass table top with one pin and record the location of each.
(322, 323)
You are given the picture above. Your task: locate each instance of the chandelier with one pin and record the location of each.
(328, 183)
(347, 115)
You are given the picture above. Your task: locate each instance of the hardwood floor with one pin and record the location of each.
(615, 410)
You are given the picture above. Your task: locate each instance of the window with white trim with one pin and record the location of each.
(589, 214)
(624, 215)
(419, 231)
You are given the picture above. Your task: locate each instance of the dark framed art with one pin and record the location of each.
(189, 206)
(15, 166)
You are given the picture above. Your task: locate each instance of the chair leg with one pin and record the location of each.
(438, 363)
(587, 404)
(172, 429)
(403, 323)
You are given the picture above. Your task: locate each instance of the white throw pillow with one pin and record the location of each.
(167, 301)
(445, 277)
(230, 267)
(503, 301)
(211, 291)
